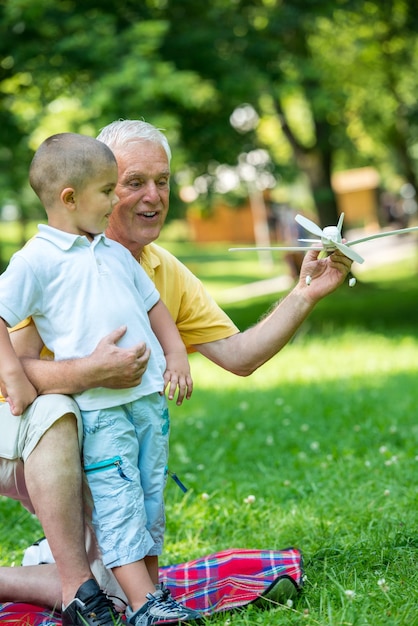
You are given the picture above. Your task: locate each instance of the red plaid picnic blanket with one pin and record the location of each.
(232, 578)
(218, 582)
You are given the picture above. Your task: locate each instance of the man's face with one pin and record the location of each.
(143, 189)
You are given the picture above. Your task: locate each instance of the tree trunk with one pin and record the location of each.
(317, 171)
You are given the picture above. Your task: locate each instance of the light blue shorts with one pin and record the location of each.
(125, 454)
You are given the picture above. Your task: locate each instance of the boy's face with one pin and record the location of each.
(95, 202)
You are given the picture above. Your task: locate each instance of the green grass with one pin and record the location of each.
(324, 436)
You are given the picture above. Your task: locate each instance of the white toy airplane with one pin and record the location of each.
(330, 239)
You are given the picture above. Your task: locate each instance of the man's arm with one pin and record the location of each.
(245, 352)
(108, 366)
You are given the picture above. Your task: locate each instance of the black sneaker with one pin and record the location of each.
(90, 607)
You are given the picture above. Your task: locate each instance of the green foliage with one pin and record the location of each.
(333, 84)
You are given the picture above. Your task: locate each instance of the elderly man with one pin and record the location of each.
(46, 474)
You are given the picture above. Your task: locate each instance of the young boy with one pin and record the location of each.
(78, 286)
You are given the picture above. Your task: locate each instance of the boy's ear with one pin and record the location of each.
(67, 197)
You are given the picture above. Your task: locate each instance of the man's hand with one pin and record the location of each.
(325, 274)
(117, 368)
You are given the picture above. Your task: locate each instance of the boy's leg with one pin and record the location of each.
(120, 445)
(111, 451)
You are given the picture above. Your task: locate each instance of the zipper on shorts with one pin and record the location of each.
(107, 464)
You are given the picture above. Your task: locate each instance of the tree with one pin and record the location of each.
(323, 77)
(75, 67)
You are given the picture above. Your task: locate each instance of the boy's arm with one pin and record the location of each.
(15, 386)
(177, 372)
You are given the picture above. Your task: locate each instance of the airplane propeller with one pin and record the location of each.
(330, 237)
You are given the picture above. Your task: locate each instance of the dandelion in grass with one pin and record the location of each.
(240, 426)
(269, 440)
(314, 445)
(204, 496)
(386, 493)
(350, 594)
(383, 585)
(250, 499)
(391, 461)
(383, 449)
(200, 467)
(304, 428)
(289, 603)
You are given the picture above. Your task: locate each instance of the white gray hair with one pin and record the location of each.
(118, 133)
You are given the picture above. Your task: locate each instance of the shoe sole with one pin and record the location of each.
(280, 592)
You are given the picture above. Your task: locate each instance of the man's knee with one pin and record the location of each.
(54, 420)
(51, 425)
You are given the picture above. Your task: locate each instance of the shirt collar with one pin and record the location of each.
(149, 260)
(65, 240)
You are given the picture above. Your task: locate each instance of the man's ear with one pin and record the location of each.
(67, 197)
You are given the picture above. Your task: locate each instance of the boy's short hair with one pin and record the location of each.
(66, 160)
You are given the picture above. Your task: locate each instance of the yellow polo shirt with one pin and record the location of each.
(197, 316)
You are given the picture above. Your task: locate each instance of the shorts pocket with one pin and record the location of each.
(107, 465)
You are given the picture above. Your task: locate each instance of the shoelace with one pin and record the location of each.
(102, 608)
(166, 602)
(168, 598)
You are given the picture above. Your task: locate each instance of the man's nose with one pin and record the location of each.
(151, 193)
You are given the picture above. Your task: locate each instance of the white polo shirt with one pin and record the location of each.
(77, 292)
